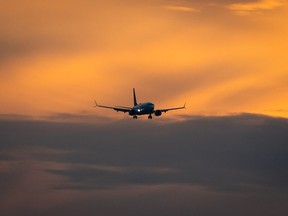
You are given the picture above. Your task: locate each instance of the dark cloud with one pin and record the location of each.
(221, 141)
(243, 155)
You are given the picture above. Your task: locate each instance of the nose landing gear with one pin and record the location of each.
(150, 116)
(135, 117)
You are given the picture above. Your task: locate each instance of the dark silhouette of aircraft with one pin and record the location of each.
(146, 108)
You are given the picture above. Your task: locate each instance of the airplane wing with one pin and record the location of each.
(118, 109)
(175, 108)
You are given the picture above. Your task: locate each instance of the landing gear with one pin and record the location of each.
(150, 116)
(135, 117)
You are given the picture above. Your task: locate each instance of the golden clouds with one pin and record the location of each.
(180, 8)
(246, 8)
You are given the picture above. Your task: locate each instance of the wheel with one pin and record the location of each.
(149, 117)
(134, 117)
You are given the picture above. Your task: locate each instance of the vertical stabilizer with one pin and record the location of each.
(134, 97)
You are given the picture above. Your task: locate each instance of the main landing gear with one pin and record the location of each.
(149, 117)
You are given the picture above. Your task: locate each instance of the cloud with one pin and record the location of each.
(204, 157)
(215, 145)
(246, 8)
(180, 8)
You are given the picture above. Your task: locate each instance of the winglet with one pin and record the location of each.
(96, 104)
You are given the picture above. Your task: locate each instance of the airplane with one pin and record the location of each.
(146, 108)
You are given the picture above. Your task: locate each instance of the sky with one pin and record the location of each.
(221, 57)
(225, 154)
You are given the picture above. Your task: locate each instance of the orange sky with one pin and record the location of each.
(221, 57)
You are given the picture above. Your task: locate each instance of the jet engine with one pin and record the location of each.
(158, 113)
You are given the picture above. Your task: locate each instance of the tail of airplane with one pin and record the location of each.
(134, 97)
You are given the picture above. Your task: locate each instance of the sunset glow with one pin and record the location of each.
(222, 58)
(61, 154)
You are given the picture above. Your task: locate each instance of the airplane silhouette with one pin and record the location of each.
(146, 108)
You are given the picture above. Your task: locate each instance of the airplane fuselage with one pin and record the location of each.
(142, 109)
